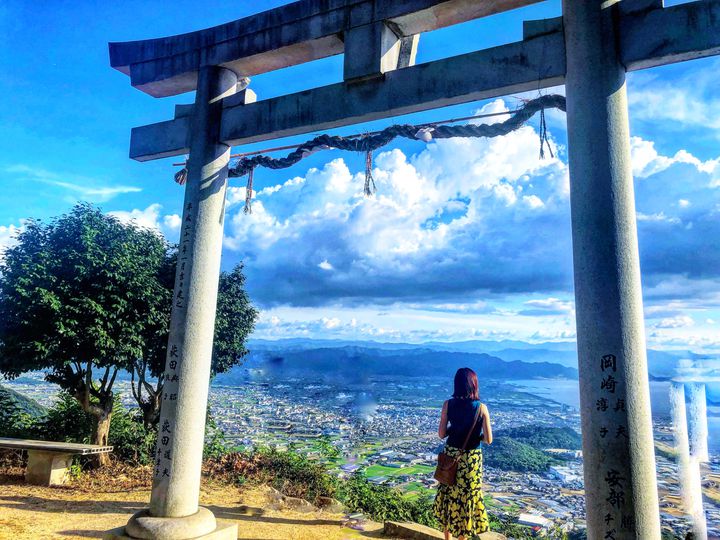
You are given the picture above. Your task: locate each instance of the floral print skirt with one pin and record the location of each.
(460, 508)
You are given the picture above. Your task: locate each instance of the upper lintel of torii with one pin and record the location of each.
(288, 35)
(380, 80)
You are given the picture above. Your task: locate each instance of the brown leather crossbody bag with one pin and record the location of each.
(446, 470)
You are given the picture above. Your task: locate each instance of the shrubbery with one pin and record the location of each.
(383, 503)
(291, 473)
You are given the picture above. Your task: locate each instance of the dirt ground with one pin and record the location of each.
(31, 512)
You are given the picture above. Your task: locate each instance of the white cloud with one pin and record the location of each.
(331, 323)
(7, 236)
(147, 218)
(646, 161)
(151, 218)
(547, 306)
(686, 100)
(435, 224)
(680, 321)
(657, 217)
(80, 188)
(171, 223)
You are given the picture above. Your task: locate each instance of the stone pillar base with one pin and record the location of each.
(224, 531)
(201, 525)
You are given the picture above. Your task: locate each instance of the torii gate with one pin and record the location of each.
(589, 49)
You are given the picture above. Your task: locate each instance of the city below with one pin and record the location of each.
(385, 427)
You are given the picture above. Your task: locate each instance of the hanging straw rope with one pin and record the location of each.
(369, 142)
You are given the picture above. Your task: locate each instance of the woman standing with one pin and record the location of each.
(460, 508)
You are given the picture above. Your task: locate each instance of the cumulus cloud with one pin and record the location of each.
(679, 321)
(171, 224)
(151, 218)
(8, 233)
(468, 219)
(147, 218)
(461, 216)
(646, 161)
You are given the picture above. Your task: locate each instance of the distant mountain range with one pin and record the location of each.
(507, 359)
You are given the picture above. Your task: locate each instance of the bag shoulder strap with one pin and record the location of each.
(472, 428)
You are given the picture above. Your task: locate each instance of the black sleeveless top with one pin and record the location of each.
(461, 413)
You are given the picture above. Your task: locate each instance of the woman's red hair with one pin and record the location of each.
(466, 384)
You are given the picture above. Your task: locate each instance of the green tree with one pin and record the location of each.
(78, 297)
(511, 455)
(235, 320)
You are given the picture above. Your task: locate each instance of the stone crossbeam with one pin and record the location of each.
(649, 37)
(288, 35)
(654, 37)
(516, 67)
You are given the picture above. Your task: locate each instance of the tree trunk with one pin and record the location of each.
(100, 437)
(151, 411)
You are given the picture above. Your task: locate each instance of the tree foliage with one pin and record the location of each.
(235, 320)
(511, 455)
(78, 296)
(542, 437)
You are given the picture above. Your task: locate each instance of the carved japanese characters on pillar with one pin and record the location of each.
(163, 457)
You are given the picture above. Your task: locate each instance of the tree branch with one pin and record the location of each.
(104, 379)
(112, 380)
(132, 383)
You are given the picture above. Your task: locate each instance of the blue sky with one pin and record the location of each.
(465, 239)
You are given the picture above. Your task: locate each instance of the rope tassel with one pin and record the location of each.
(368, 174)
(181, 176)
(544, 136)
(248, 192)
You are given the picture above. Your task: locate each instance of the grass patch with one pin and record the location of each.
(382, 470)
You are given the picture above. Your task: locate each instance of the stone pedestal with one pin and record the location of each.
(47, 468)
(223, 531)
(619, 460)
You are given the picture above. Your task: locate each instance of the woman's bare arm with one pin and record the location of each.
(487, 430)
(442, 429)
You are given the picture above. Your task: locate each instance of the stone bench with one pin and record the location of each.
(48, 462)
(414, 531)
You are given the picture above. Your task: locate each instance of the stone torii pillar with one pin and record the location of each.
(174, 512)
(618, 452)
(698, 422)
(688, 466)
